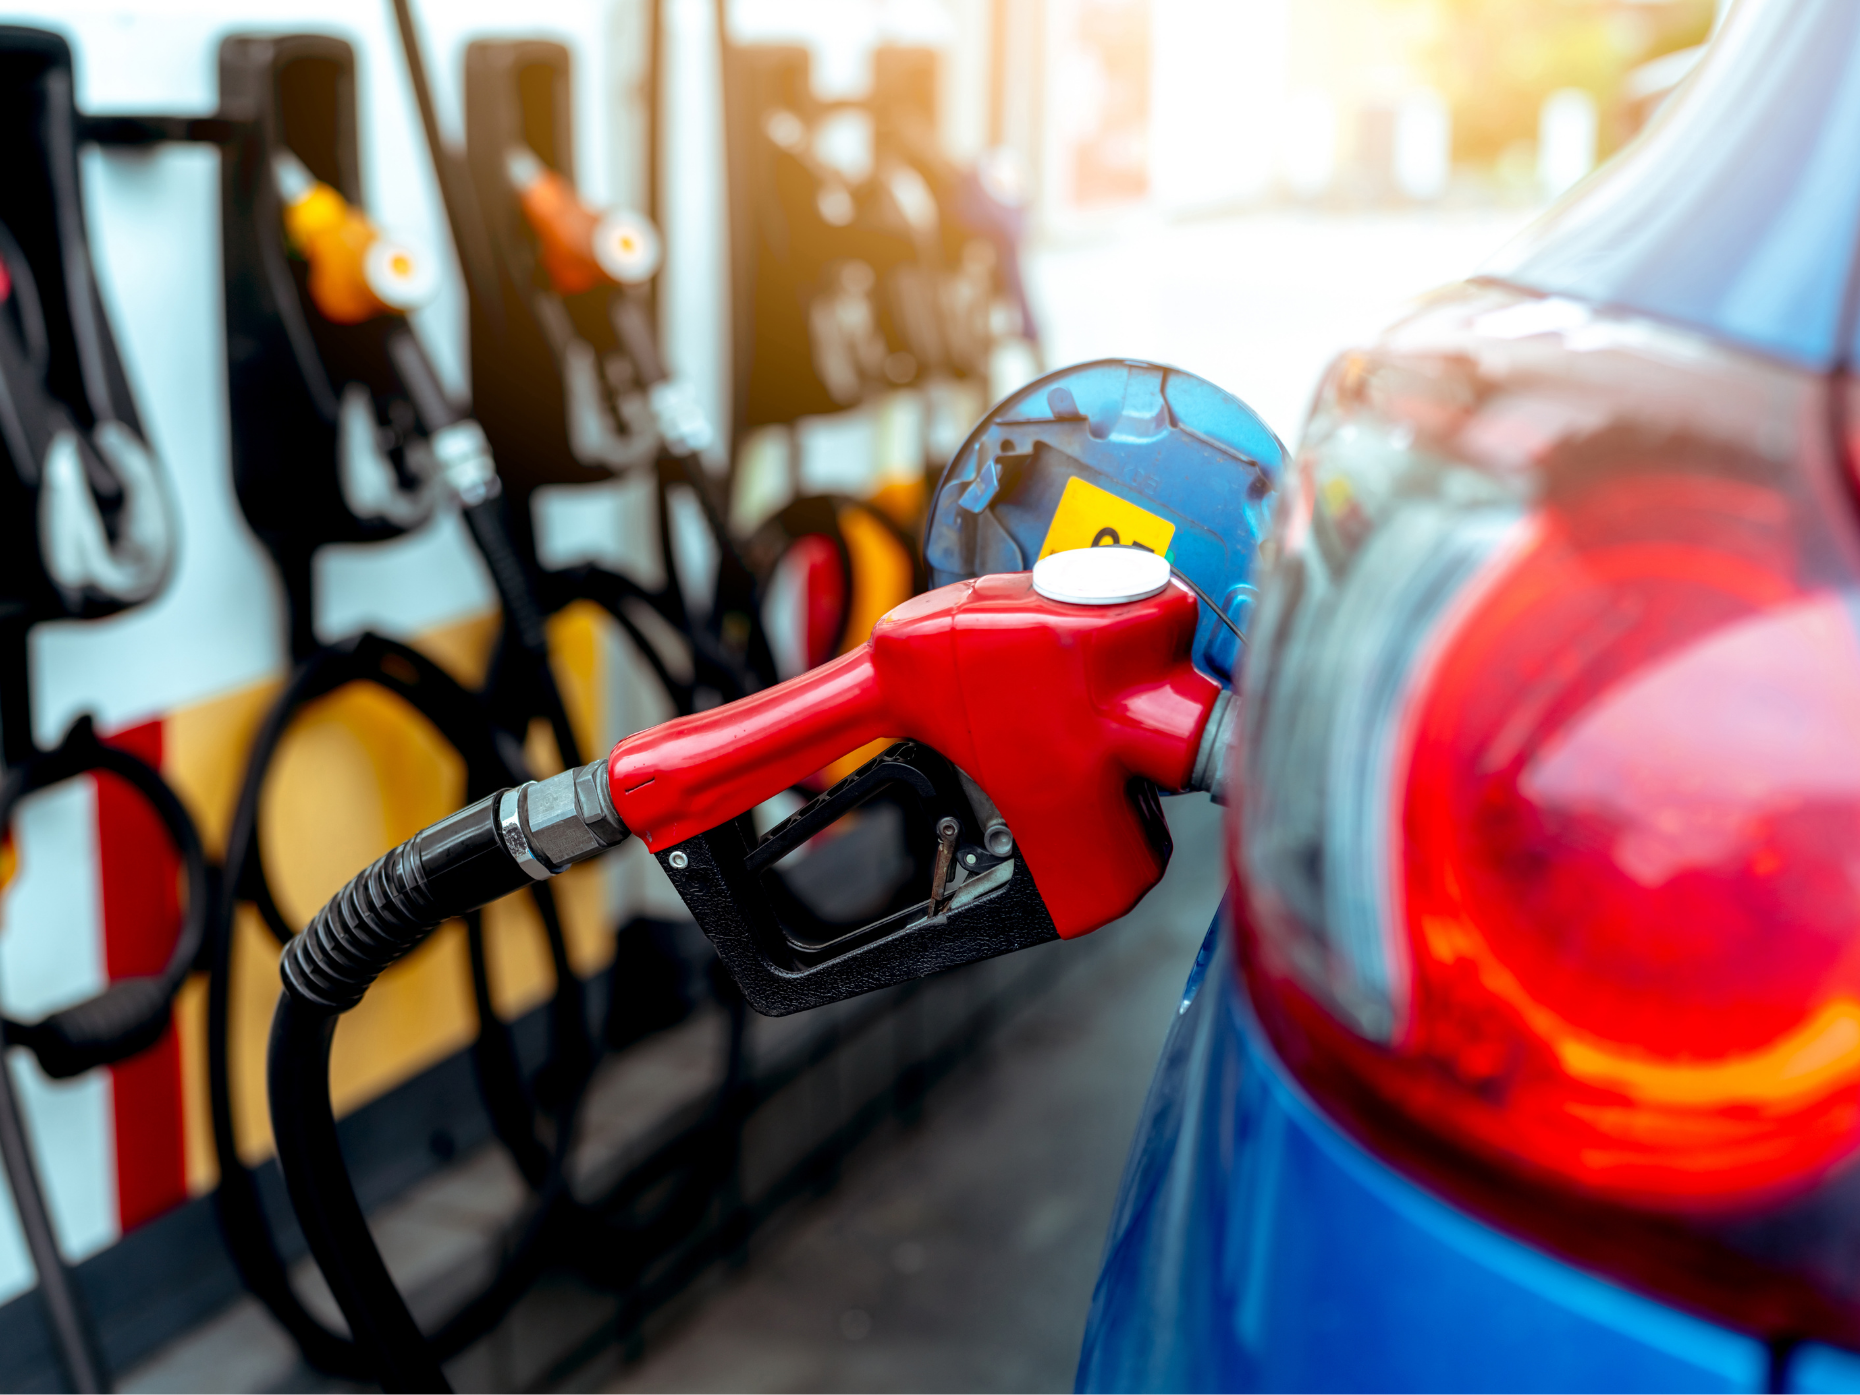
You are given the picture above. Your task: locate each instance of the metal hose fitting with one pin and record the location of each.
(555, 823)
(1211, 759)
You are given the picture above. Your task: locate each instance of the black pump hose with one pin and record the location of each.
(471, 472)
(126, 1018)
(484, 516)
(455, 713)
(459, 717)
(326, 1207)
(469, 233)
(484, 851)
(73, 1334)
(523, 615)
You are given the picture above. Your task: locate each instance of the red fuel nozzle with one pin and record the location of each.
(1056, 710)
(580, 248)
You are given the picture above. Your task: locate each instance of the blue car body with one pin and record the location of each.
(1256, 1244)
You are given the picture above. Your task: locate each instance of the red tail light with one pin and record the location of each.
(1632, 864)
(1551, 840)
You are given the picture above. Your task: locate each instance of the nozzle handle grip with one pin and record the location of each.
(692, 774)
(729, 879)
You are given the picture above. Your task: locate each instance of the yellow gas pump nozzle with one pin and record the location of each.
(356, 273)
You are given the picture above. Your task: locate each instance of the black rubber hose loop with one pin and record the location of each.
(247, 1228)
(450, 868)
(387, 664)
(523, 616)
(321, 1194)
(131, 1014)
(128, 1017)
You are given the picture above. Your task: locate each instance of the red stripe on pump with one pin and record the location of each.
(1053, 709)
(140, 881)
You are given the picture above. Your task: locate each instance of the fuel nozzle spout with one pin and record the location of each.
(356, 273)
(581, 247)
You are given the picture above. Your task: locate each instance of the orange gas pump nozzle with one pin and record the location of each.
(580, 248)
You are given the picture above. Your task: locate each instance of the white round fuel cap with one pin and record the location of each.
(1100, 575)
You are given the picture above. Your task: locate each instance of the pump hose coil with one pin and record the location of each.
(130, 1014)
(486, 850)
(459, 719)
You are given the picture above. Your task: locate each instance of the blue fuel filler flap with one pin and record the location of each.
(1116, 452)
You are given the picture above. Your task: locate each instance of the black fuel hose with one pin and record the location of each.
(454, 866)
(470, 234)
(517, 592)
(131, 1014)
(459, 718)
(614, 593)
(332, 1220)
(466, 461)
(488, 849)
(72, 1332)
(484, 513)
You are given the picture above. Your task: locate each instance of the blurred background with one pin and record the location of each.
(879, 217)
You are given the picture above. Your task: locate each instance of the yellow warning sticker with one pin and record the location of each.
(1092, 517)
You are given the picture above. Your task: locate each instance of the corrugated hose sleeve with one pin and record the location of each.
(484, 851)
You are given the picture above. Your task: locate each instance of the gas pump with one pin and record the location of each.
(316, 303)
(86, 530)
(572, 387)
(901, 277)
(1040, 715)
(342, 432)
(980, 217)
